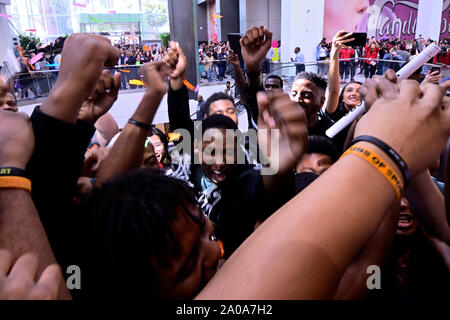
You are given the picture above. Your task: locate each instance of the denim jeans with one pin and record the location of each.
(209, 75)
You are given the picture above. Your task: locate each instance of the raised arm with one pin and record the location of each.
(128, 150)
(78, 75)
(279, 115)
(177, 97)
(239, 79)
(334, 88)
(255, 44)
(21, 230)
(316, 239)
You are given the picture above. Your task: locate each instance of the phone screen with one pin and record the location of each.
(360, 39)
(235, 45)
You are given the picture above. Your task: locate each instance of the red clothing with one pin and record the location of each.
(371, 54)
(442, 58)
(347, 53)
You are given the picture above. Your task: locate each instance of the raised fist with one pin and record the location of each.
(83, 59)
(255, 44)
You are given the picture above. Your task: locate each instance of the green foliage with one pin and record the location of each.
(165, 37)
(25, 40)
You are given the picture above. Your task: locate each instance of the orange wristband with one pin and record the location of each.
(12, 182)
(377, 162)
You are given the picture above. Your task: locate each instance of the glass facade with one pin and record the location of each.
(49, 19)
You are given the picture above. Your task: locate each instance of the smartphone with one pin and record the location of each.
(360, 39)
(433, 69)
(235, 45)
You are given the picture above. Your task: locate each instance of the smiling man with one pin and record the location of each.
(308, 90)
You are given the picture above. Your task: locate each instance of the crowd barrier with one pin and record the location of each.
(36, 84)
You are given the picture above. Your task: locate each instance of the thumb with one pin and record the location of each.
(180, 51)
(264, 107)
(115, 89)
(268, 42)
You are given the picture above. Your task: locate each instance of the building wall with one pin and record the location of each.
(261, 13)
(202, 22)
(229, 9)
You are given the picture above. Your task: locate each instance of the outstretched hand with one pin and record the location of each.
(102, 99)
(255, 44)
(233, 58)
(400, 119)
(340, 39)
(385, 86)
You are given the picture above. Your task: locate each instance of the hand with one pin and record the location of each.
(233, 58)
(16, 139)
(93, 161)
(340, 39)
(155, 77)
(415, 123)
(83, 59)
(176, 59)
(377, 87)
(103, 98)
(17, 282)
(255, 44)
(432, 77)
(277, 111)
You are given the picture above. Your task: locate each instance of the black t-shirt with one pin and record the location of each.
(340, 112)
(321, 126)
(324, 123)
(235, 207)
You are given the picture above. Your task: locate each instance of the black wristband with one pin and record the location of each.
(12, 172)
(390, 152)
(139, 124)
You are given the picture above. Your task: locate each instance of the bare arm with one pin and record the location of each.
(353, 283)
(255, 44)
(127, 152)
(333, 82)
(333, 75)
(21, 230)
(78, 75)
(239, 79)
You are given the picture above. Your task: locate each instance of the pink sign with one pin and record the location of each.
(382, 18)
(445, 20)
(36, 58)
(79, 5)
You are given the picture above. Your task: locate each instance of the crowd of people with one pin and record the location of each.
(287, 213)
(370, 58)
